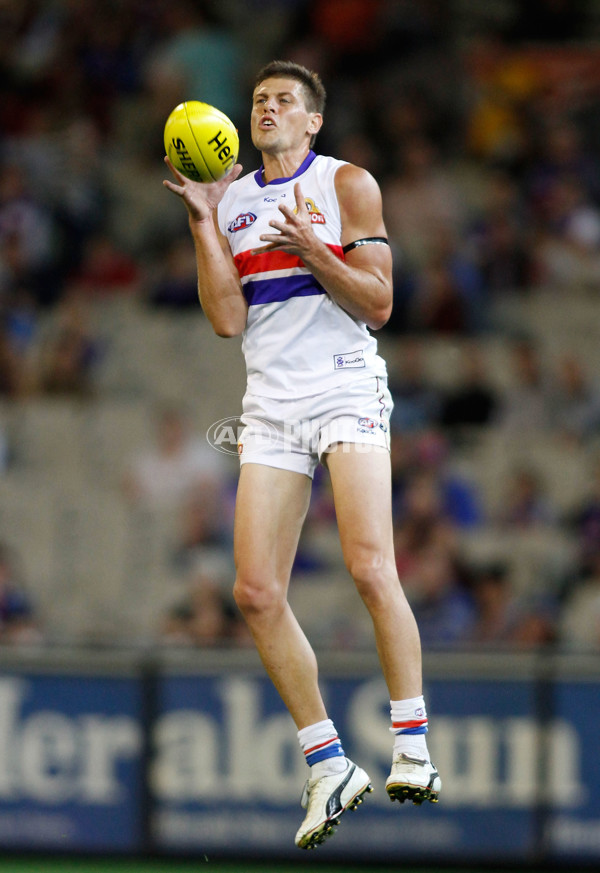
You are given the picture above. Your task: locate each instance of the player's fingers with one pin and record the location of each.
(261, 249)
(176, 189)
(179, 176)
(271, 237)
(300, 201)
(233, 174)
(287, 213)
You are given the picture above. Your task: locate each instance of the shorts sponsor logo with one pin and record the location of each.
(348, 360)
(367, 422)
(241, 222)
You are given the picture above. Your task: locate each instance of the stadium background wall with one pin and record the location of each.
(157, 755)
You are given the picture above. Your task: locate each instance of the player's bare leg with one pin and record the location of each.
(362, 492)
(361, 484)
(271, 507)
(270, 510)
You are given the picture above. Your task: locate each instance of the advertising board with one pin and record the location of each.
(204, 760)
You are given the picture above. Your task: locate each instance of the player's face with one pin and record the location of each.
(280, 120)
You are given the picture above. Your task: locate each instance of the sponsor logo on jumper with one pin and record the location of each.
(344, 360)
(316, 216)
(241, 222)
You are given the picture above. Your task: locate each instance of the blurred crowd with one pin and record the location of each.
(481, 123)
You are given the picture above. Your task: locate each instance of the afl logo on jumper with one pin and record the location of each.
(241, 222)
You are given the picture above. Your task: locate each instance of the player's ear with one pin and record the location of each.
(315, 122)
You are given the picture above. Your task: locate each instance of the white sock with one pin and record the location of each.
(410, 715)
(322, 749)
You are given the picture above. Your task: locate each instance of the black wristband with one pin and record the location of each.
(368, 240)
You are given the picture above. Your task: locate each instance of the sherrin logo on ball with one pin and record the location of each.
(201, 141)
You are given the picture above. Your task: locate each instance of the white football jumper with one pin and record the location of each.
(298, 342)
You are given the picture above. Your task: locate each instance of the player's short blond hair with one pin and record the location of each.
(312, 86)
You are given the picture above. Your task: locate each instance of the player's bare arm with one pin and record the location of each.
(219, 287)
(362, 284)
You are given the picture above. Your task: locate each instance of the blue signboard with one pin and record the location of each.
(70, 763)
(228, 770)
(572, 830)
(208, 763)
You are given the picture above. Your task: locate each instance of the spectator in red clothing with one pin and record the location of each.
(106, 269)
(438, 306)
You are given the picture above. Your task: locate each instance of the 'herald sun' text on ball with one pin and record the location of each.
(201, 141)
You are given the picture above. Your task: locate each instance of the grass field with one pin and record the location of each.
(119, 865)
(41, 865)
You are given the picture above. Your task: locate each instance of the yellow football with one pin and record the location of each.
(201, 141)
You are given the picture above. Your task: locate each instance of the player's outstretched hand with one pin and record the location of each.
(200, 198)
(295, 234)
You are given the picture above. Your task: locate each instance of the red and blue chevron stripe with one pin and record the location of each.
(273, 277)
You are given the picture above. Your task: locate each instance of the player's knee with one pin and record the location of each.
(254, 595)
(372, 576)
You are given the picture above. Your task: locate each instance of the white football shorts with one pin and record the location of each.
(295, 434)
